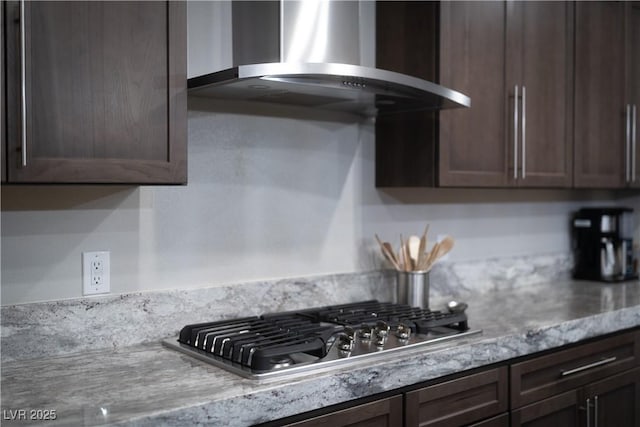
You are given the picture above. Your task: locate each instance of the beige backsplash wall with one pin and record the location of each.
(268, 197)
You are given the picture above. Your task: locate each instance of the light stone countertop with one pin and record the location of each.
(152, 385)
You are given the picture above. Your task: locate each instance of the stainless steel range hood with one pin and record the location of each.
(302, 53)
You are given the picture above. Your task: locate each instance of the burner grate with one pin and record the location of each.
(257, 342)
(370, 312)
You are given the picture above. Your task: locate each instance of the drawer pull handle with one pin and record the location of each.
(589, 366)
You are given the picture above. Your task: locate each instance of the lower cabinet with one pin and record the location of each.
(499, 421)
(614, 401)
(561, 411)
(458, 402)
(479, 400)
(593, 384)
(381, 413)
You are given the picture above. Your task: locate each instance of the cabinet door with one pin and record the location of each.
(381, 413)
(105, 86)
(499, 421)
(473, 149)
(540, 68)
(616, 400)
(3, 140)
(600, 120)
(458, 402)
(633, 82)
(569, 369)
(559, 411)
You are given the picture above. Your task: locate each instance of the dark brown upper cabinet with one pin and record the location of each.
(96, 92)
(633, 84)
(514, 60)
(474, 149)
(488, 51)
(600, 100)
(3, 127)
(540, 70)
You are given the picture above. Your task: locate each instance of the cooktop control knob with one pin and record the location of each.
(403, 332)
(381, 331)
(348, 331)
(379, 341)
(365, 331)
(382, 328)
(345, 342)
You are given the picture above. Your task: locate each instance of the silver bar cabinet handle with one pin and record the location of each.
(634, 116)
(588, 412)
(628, 145)
(589, 366)
(524, 126)
(515, 133)
(595, 411)
(23, 82)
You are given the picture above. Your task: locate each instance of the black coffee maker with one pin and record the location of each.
(602, 241)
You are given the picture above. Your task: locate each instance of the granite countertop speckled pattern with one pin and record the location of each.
(152, 385)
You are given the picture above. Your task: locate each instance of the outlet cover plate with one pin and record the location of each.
(96, 267)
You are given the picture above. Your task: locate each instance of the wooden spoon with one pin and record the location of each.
(430, 256)
(388, 252)
(391, 255)
(406, 266)
(440, 249)
(414, 251)
(422, 256)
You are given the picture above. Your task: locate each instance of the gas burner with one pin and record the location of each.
(281, 362)
(301, 341)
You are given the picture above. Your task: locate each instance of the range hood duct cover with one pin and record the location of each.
(307, 53)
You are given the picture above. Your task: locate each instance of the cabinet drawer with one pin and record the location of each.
(564, 370)
(560, 410)
(458, 402)
(381, 413)
(499, 421)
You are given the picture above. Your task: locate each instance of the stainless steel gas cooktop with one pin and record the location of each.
(299, 342)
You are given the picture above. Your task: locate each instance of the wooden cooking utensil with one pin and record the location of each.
(388, 252)
(414, 251)
(391, 252)
(422, 256)
(439, 250)
(406, 259)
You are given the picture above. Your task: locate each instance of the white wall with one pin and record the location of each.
(267, 197)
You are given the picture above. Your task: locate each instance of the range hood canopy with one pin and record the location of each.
(307, 53)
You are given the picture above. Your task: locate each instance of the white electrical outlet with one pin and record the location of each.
(95, 273)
